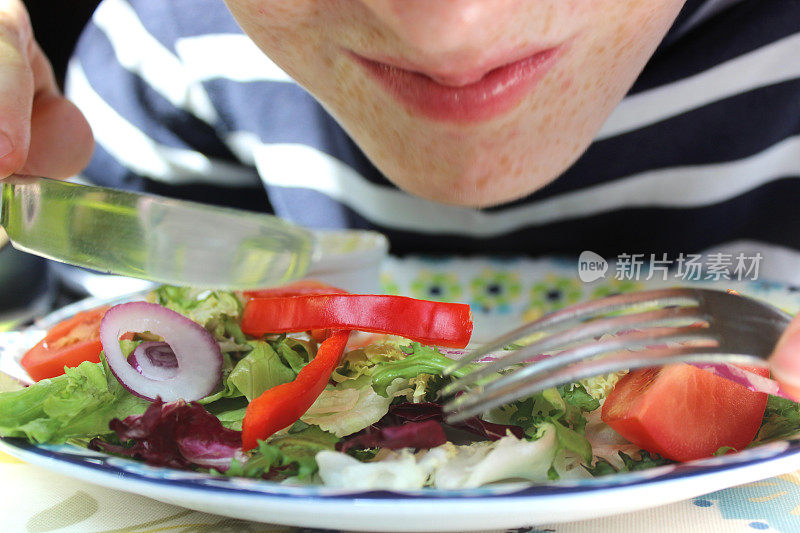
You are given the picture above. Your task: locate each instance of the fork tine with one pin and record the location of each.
(573, 335)
(478, 402)
(571, 358)
(575, 313)
(592, 349)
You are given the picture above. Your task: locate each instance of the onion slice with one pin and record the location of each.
(197, 353)
(154, 360)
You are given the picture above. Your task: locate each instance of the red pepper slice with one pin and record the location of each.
(305, 287)
(440, 323)
(283, 405)
(298, 288)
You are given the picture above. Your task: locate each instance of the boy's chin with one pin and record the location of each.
(459, 190)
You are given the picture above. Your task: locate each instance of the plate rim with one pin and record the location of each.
(56, 460)
(462, 514)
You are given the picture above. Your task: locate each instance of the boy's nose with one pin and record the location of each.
(443, 29)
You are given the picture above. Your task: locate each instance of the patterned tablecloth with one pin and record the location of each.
(500, 292)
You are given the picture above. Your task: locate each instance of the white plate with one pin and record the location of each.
(494, 507)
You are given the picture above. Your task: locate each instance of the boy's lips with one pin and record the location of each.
(494, 92)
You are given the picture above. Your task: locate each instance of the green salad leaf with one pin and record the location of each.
(418, 360)
(563, 408)
(79, 403)
(352, 406)
(218, 311)
(293, 453)
(229, 411)
(260, 370)
(646, 460)
(722, 450)
(197, 304)
(781, 420)
(266, 364)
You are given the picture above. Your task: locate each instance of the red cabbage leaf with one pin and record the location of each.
(175, 434)
(415, 412)
(423, 435)
(420, 425)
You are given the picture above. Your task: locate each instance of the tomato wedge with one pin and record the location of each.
(67, 344)
(682, 412)
(443, 324)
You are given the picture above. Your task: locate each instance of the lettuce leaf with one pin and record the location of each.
(781, 420)
(505, 459)
(447, 467)
(266, 365)
(564, 409)
(418, 412)
(351, 406)
(418, 360)
(600, 386)
(217, 311)
(294, 353)
(287, 455)
(198, 304)
(79, 403)
(260, 370)
(630, 463)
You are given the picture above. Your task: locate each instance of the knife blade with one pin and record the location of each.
(151, 237)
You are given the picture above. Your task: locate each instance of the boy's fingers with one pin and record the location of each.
(61, 141)
(16, 86)
(40, 132)
(785, 360)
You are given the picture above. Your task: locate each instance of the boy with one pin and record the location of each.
(447, 106)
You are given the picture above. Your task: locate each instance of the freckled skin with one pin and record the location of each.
(606, 43)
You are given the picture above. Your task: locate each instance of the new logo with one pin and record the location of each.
(591, 266)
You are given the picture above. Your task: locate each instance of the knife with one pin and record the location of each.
(152, 237)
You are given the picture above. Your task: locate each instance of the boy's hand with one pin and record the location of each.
(785, 360)
(41, 133)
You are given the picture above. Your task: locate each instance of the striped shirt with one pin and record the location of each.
(702, 154)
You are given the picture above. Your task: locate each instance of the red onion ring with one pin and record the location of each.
(749, 380)
(198, 356)
(154, 360)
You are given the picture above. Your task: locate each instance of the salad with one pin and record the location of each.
(309, 384)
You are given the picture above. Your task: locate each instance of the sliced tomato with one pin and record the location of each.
(67, 344)
(682, 412)
(298, 288)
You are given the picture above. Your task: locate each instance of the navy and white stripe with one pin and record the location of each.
(704, 151)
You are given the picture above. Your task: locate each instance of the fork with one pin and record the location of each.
(711, 327)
